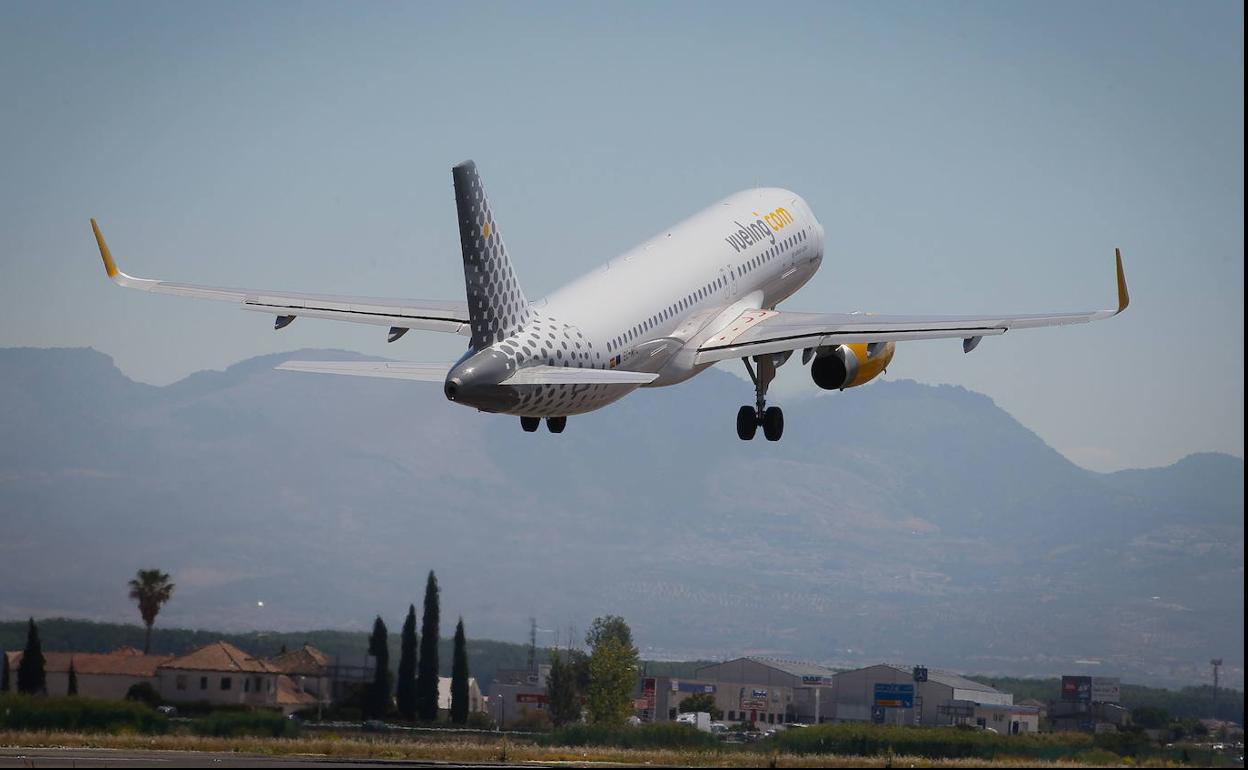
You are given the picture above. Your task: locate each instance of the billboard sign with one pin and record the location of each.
(1077, 688)
(1106, 689)
(816, 679)
(695, 687)
(753, 699)
(894, 696)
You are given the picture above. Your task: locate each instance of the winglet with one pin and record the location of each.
(1124, 298)
(110, 266)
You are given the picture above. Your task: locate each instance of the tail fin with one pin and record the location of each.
(496, 304)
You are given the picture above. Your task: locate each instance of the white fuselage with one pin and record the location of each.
(650, 308)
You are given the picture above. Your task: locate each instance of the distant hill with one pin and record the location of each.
(894, 522)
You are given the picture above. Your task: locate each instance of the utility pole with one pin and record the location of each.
(533, 645)
(1216, 663)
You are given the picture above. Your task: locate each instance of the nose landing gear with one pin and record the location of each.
(750, 417)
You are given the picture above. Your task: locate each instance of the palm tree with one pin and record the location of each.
(151, 589)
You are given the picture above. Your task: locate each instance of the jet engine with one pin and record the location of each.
(846, 366)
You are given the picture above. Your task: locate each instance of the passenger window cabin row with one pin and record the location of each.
(691, 299)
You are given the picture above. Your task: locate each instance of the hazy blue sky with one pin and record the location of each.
(962, 158)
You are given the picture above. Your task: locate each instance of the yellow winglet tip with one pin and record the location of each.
(110, 266)
(1124, 298)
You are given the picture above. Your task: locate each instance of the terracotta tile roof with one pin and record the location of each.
(307, 661)
(117, 663)
(288, 694)
(220, 656)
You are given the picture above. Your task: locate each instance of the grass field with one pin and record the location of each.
(450, 750)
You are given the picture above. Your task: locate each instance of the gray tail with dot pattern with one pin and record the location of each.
(497, 306)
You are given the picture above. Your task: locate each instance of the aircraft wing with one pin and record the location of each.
(399, 314)
(758, 332)
(529, 375)
(395, 370)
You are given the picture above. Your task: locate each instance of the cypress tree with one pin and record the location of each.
(377, 697)
(459, 677)
(407, 667)
(73, 679)
(427, 672)
(4, 672)
(31, 679)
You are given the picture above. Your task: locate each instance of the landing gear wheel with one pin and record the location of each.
(530, 423)
(556, 424)
(773, 423)
(747, 423)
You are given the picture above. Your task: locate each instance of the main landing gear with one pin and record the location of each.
(553, 424)
(750, 417)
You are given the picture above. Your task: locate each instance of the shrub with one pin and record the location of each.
(143, 692)
(530, 720)
(479, 720)
(233, 724)
(656, 735)
(78, 714)
(932, 742)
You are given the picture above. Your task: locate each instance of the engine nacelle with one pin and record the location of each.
(847, 366)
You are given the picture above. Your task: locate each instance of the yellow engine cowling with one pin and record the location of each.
(847, 366)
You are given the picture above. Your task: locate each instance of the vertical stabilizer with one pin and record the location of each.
(496, 304)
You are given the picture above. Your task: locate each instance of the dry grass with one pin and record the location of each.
(451, 750)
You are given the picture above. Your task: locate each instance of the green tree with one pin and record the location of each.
(377, 698)
(1150, 717)
(73, 679)
(609, 627)
(427, 671)
(406, 694)
(459, 676)
(31, 677)
(612, 670)
(562, 695)
(702, 701)
(151, 589)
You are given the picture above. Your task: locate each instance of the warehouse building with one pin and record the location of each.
(903, 695)
(774, 692)
(766, 691)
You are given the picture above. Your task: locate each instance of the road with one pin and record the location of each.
(19, 757)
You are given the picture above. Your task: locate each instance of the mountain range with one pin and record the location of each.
(894, 522)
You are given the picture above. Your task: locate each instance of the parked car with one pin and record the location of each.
(169, 711)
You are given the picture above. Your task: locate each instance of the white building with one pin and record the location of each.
(107, 676)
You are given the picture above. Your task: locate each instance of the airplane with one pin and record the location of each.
(702, 291)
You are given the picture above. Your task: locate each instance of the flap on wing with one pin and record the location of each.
(397, 370)
(566, 375)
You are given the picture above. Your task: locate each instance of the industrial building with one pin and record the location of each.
(916, 695)
(775, 692)
(765, 691)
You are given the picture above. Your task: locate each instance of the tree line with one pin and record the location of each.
(413, 693)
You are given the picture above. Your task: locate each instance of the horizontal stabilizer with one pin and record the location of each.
(396, 370)
(566, 375)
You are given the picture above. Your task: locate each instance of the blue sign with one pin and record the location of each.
(694, 687)
(894, 696)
